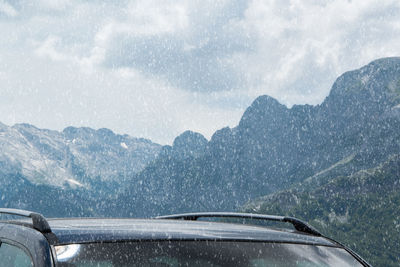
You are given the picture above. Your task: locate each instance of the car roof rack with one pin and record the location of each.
(297, 224)
(39, 222)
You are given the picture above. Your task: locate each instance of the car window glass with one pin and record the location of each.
(202, 253)
(13, 256)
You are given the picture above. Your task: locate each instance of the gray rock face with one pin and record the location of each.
(189, 144)
(275, 147)
(75, 157)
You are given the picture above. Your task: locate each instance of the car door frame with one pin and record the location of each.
(30, 240)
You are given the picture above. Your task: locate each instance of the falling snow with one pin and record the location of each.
(142, 108)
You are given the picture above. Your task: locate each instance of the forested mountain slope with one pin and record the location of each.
(275, 147)
(361, 209)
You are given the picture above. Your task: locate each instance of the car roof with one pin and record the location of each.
(185, 226)
(82, 230)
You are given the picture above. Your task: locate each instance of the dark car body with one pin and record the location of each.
(45, 240)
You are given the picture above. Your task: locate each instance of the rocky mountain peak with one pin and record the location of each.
(377, 82)
(73, 132)
(24, 126)
(265, 110)
(189, 144)
(3, 127)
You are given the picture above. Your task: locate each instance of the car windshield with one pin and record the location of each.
(203, 253)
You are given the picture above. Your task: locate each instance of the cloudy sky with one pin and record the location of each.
(156, 68)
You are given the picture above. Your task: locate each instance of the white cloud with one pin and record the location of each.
(156, 68)
(7, 9)
(176, 41)
(54, 4)
(302, 46)
(48, 49)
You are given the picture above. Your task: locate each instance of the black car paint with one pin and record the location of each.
(88, 230)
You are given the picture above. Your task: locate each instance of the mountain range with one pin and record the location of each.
(73, 157)
(67, 173)
(335, 164)
(275, 147)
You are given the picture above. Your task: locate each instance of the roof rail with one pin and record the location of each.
(38, 220)
(298, 224)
